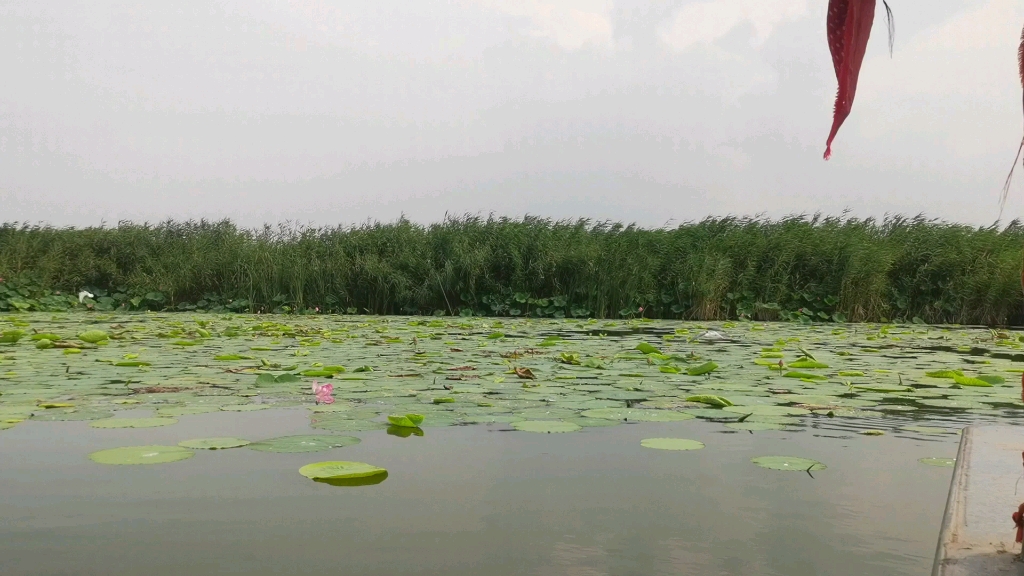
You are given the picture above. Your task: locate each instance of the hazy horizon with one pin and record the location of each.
(648, 111)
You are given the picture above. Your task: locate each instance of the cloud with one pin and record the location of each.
(706, 22)
(572, 24)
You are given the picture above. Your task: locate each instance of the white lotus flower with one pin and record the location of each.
(83, 295)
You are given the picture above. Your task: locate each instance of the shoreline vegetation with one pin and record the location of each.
(799, 268)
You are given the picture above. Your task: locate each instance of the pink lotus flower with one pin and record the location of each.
(323, 393)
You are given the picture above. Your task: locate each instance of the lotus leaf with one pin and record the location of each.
(141, 455)
(788, 463)
(545, 426)
(213, 443)
(132, 422)
(304, 443)
(671, 444)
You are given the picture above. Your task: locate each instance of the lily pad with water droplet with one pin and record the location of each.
(304, 443)
(940, 462)
(132, 422)
(671, 444)
(141, 455)
(788, 463)
(213, 443)
(545, 426)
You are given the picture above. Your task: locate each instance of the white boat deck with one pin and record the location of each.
(977, 535)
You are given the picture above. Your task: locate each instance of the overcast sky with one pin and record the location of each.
(647, 111)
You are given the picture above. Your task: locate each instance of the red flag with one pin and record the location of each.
(1009, 177)
(849, 26)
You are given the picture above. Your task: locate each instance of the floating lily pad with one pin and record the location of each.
(342, 473)
(545, 426)
(408, 420)
(714, 414)
(185, 410)
(637, 414)
(756, 426)
(710, 400)
(671, 444)
(765, 410)
(788, 463)
(304, 443)
(132, 422)
(244, 407)
(214, 443)
(141, 455)
(93, 336)
(72, 414)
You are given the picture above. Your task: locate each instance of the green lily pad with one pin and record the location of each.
(175, 411)
(804, 375)
(304, 443)
(132, 422)
(214, 443)
(705, 368)
(765, 410)
(714, 414)
(636, 414)
(93, 336)
(545, 426)
(244, 407)
(408, 420)
(71, 414)
(807, 364)
(710, 400)
(671, 444)
(141, 455)
(337, 472)
(756, 426)
(788, 463)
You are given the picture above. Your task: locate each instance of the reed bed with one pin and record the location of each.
(809, 268)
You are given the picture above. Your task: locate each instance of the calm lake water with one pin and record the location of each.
(470, 501)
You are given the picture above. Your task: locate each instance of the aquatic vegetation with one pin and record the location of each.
(343, 473)
(788, 463)
(132, 422)
(221, 443)
(803, 269)
(141, 455)
(322, 391)
(416, 373)
(545, 426)
(304, 443)
(671, 444)
(406, 421)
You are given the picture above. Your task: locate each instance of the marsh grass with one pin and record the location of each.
(820, 268)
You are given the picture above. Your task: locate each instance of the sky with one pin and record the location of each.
(656, 112)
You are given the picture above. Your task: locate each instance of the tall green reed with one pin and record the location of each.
(799, 267)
